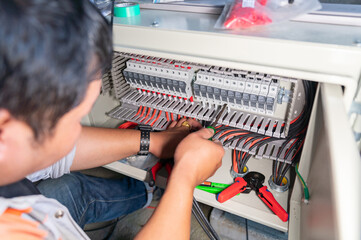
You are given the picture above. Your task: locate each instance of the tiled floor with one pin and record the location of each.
(228, 227)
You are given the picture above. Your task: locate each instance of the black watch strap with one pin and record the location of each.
(144, 139)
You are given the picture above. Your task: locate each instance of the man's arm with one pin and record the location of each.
(196, 159)
(99, 146)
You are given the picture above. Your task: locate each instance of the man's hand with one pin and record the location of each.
(197, 158)
(163, 144)
(99, 146)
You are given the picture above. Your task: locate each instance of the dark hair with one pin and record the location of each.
(46, 48)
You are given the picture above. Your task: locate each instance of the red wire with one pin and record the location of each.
(142, 113)
(291, 146)
(235, 167)
(128, 125)
(154, 112)
(140, 109)
(294, 120)
(227, 131)
(298, 150)
(167, 116)
(160, 113)
(149, 110)
(235, 134)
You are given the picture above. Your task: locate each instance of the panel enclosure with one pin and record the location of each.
(316, 59)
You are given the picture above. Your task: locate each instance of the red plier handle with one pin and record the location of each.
(267, 197)
(238, 186)
(154, 170)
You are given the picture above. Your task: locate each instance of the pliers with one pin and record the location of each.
(152, 173)
(253, 181)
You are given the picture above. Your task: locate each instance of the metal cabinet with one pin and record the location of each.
(330, 162)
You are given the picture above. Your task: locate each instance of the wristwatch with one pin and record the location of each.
(144, 139)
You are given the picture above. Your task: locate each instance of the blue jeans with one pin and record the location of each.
(92, 199)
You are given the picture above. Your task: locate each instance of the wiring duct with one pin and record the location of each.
(254, 141)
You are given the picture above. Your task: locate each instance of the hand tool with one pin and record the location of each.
(213, 187)
(253, 181)
(152, 173)
(209, 189)
(215, 184)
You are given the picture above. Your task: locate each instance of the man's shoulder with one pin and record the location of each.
(42, 215)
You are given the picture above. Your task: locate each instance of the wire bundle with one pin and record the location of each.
(254, 141)
(297, 132)
(203, 221)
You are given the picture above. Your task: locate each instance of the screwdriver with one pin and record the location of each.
(212, 187)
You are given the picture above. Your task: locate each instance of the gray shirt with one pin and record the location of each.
(56, 170)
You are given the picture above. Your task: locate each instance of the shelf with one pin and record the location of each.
(247, 205)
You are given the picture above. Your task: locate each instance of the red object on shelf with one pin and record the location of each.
(268, 198)
(245, 17)
(238, 186)
(253, 181)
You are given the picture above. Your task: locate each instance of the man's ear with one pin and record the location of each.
(5, 118)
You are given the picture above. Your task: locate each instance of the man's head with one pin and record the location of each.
(51, 56)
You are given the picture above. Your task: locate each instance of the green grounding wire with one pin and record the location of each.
(305, 188)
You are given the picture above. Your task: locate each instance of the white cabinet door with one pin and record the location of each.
(330, 165)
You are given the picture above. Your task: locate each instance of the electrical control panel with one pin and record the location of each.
(185, 68)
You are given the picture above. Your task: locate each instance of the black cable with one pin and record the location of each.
(235, 131)
(281, 167)
(204, 219)
(201, 224)
(245, 160)
(239, 137)
(246, 229)
(285, 170)
(291, 149)
(274, 170)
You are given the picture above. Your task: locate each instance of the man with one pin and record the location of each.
(51, 56)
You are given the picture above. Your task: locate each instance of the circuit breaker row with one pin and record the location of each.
(255, 101)
(169, 79)
(160, 119)
(249, 91)
(242, 91)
